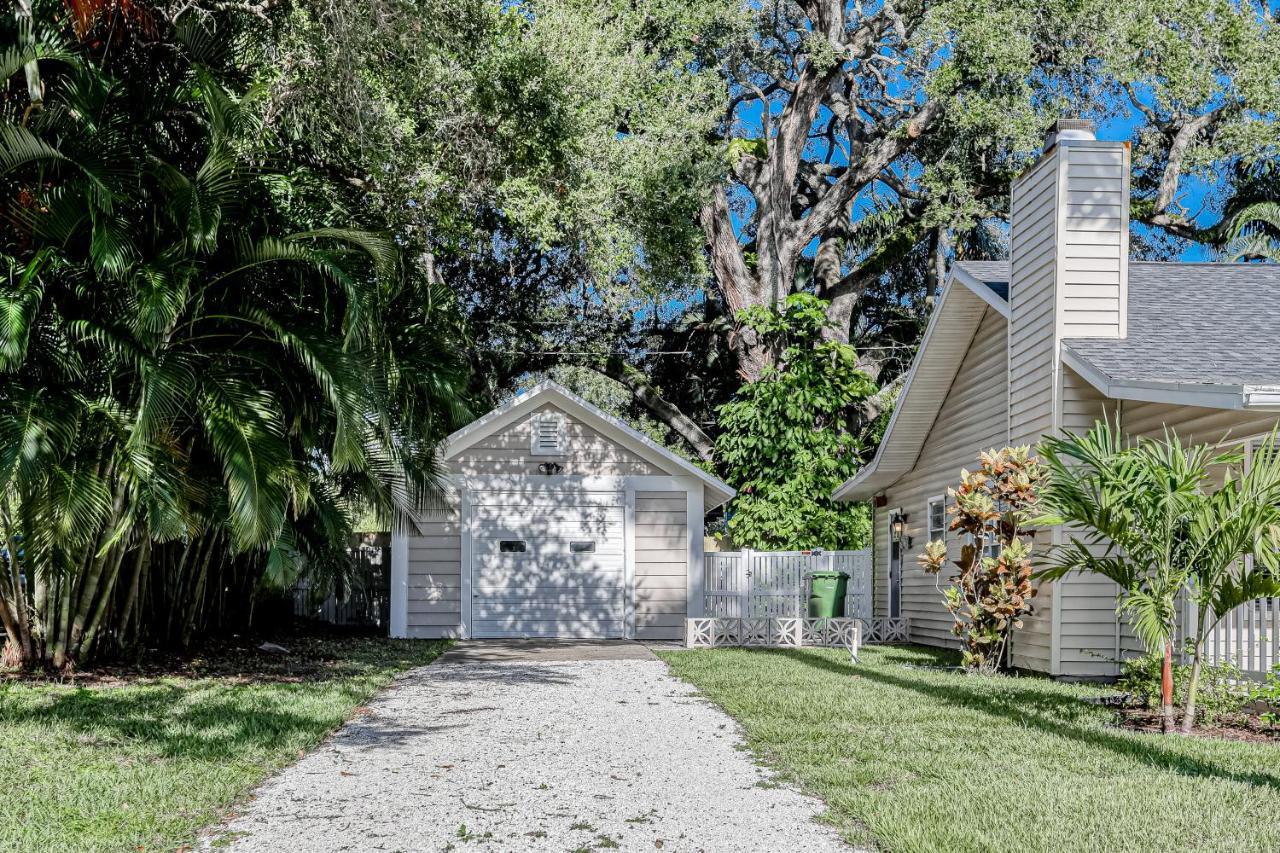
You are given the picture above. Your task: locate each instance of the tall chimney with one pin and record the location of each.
(1069, 262)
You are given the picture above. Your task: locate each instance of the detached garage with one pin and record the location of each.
(560, 522)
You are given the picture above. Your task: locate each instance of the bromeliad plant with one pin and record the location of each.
(992, 510)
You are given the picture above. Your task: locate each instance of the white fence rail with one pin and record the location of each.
(772, 584)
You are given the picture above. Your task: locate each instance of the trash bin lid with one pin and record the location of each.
(827, 574)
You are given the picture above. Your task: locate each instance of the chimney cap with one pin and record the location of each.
(1068, 128)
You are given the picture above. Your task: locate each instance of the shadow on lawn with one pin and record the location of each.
(1055, 715)
(168, 720)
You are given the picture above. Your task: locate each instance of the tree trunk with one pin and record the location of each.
(94, 576)
(646, 395)
(104, 601)
(131, 597)
(1166, 689)
(1197, 665)
(196, 603)
(63, 604)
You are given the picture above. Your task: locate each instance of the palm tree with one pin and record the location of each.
(1148, 516)
(1130, 510)
(1235, 551)
(1253, 233)
(188, 378)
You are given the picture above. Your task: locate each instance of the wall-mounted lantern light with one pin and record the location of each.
(550, 468)
(898, 529)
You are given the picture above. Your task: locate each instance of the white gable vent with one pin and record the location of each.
(548, 434)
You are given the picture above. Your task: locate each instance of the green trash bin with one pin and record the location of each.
(826, 594)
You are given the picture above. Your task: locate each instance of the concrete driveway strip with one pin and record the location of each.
(532, 746)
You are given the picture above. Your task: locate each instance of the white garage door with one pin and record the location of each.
(547, 565)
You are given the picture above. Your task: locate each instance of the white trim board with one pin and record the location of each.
(399, 591)
(981, 289)
(609, 426)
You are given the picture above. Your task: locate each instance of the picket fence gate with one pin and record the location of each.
(750, 584)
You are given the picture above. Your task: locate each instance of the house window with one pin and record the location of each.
(548, 434)
(938, 519)
(992, 547)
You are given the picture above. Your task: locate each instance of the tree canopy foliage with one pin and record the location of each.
(262, 254)
(785, 441)
(620, 179)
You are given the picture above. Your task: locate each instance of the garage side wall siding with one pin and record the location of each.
(661, 565)
(435, 576)
(587, 452)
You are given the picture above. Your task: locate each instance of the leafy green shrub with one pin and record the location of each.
(785, 442)
(1268, 693)
(1224, 689)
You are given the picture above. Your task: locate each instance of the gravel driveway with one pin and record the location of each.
(511, 747)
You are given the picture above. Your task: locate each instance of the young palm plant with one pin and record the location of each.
(1150, 516)
(1130, 510)
(1234, 553)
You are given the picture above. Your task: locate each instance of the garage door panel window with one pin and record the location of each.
(554, 551)
(519, 503)
(557, 532)
(600, 586)
(511, 546)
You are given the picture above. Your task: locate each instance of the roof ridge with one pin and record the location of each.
(1248, 264)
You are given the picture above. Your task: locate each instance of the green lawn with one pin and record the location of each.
(142, 764)
(918, 759)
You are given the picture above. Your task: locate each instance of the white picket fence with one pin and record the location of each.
(1248, 637)
(753, 584)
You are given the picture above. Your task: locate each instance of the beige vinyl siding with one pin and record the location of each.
(1194, 424)
(1033, 358)
(661, 558)
(972, 419)
(880, 562)
(587, 452)
(1089, 634)
(435, 576)
(1094, 245)
(1033, 354)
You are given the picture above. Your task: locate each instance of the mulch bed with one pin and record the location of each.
(312, 656)
(1240, 727)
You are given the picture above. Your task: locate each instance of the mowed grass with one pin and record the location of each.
(912, 759)
(143, 765)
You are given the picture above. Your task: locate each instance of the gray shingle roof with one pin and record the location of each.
(1194, 324)
(994, 274)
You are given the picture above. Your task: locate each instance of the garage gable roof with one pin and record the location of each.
(547, 392)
